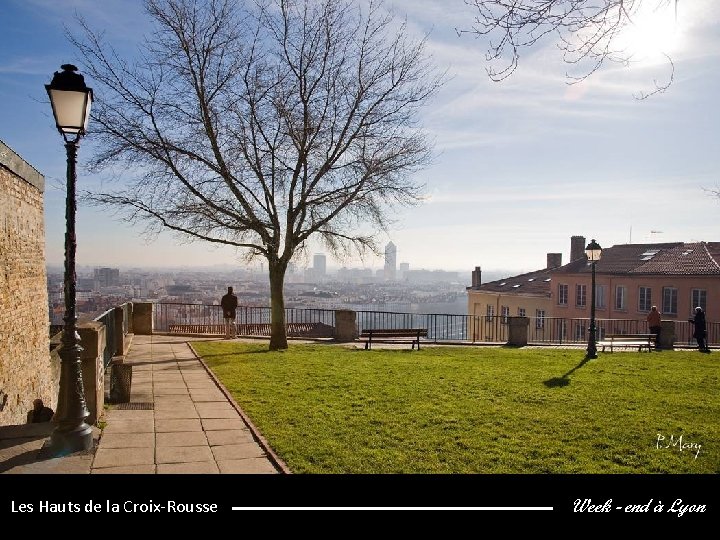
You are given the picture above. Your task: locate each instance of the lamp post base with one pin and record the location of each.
(64, 442)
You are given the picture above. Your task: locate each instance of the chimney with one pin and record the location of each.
(476, 277)
(577, 248)
(554, 260)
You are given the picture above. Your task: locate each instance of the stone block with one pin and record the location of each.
(345, 325)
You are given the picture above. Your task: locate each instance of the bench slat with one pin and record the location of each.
(629, 340)
(414, 334)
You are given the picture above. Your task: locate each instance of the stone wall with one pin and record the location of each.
(26, 372)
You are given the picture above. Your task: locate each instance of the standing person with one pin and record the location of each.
(229, 305)
(653, 320)
(700, 332)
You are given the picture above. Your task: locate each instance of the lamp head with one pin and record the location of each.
(593, 251)
(71, 100)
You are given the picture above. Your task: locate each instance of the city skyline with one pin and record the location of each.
(521, 165)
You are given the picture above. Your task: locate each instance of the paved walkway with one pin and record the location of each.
(192, 428)
(188, 425)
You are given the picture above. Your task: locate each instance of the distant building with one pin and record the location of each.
(390, 261)
(525, 295)
(106, 277)
(430, 276)
(404, 268)
(630, 278)
(319, 265)
(355, 275)
(87, 283)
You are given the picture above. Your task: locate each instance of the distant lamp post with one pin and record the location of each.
(71, 101)
(593, 252)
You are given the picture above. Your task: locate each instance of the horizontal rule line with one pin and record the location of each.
(425, 508)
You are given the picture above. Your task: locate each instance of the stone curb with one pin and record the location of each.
(272, 456)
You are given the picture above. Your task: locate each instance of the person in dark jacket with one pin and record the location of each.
(700, 333)
(229, 304)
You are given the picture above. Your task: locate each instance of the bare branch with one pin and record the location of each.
(261, 125)
(587, 32)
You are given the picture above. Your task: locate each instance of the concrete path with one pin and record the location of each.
(21, 452)
(178, 421)
(192, 426)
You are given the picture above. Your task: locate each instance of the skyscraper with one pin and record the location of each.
(106, 277)
(390, 261)
(319, 266)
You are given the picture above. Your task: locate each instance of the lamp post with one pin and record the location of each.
(71, 101)
(593, 252)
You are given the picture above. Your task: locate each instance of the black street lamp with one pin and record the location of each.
(593, 252)
(71, 101)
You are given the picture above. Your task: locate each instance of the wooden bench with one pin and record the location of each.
(641, 341)
(393, 334)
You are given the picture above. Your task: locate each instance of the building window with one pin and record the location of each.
(669, 305)
(562, 294)
(620, 298)
(521, 312)
(600, 296)
(645, 299)
(490, 310)
(505, 312)
(699, 298)
(539, 318)
(580, 295)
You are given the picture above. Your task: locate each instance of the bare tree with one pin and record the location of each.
(586, 31)
(260, 127)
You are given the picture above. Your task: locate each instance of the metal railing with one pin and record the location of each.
(560, 330)
(168, 314)
(441, 327)
(684, 333)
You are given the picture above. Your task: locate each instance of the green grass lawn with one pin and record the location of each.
(329, 409)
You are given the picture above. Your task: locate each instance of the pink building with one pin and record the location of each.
(631, 278)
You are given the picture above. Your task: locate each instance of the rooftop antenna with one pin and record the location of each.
(630, 242)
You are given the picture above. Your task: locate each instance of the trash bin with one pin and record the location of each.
(120, 383)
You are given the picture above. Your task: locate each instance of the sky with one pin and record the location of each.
(520, 166)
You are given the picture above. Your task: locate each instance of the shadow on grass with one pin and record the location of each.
(564, 380)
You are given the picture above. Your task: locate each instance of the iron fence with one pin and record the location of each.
(211, 316)
(561, 330)
(441, 327)
(684, 333)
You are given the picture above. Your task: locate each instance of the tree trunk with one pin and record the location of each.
(278, 336)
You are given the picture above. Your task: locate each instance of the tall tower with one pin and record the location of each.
(319, 265)
(390, 261)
